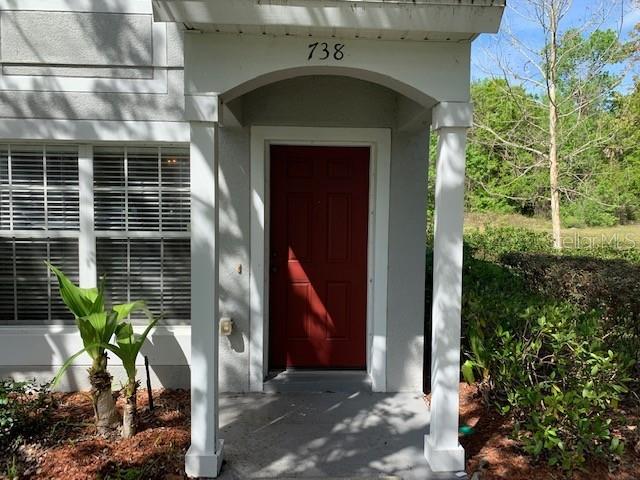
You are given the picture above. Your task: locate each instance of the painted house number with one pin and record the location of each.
(323, 51)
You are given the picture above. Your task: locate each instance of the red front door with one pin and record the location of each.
(318, 279)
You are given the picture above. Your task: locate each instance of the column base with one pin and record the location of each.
(204, 465)
(444, 460)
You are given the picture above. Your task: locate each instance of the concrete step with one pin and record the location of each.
(318, 381)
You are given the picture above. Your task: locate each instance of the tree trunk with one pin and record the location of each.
(130, 412)
(553, 130)
(104, 406)
(553, 173)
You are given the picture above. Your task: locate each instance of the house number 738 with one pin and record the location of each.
(322, 51)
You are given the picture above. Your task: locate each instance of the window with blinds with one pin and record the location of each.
(39, 220)
(141, 225)
(142, 219)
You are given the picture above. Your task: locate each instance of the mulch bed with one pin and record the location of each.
(69, 450)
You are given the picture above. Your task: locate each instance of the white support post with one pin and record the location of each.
(442, 449)
(204, 457)
(87, 239)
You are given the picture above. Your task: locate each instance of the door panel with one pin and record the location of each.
(318, 286)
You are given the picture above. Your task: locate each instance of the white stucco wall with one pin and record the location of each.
(123, 67)
(76, 38)
(235, 247)
(407, 243)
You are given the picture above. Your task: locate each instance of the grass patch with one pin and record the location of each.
(619, 236)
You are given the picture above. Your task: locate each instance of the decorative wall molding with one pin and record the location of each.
(452, 115)
(87, 131)
(159, 84)
(87, 6)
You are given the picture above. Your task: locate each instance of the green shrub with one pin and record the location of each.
(620, 249)
(542, 362)
(571, 221)
(24, 408)
(611, 286)
(589, 213)
(560, 383)
(551, 337)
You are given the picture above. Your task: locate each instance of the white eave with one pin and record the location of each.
(431, 20)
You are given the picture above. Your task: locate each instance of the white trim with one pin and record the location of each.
(159, 84)
(452, 115)
(160, 45)
(89, 6)
(87, 239)
(379, 140)
(87, 131)
(51, 345)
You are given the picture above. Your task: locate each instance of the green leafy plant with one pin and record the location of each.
(96, 325)
(127, 349)
(540, 337)
(130, 473)
(24, 409)
(13, 471)
(96, 331)
(565, 388)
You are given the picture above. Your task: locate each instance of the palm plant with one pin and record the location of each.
(127, 349)
(96, 326)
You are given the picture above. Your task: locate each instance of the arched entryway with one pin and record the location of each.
(225, 66)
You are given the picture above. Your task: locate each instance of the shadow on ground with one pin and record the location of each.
(324, 435)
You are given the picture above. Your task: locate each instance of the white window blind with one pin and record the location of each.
(141, 225)
(39, 220)
(142, 219)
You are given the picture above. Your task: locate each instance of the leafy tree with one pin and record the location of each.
(503, 160)
(552, 111)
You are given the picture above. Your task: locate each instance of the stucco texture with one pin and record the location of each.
(122, 68)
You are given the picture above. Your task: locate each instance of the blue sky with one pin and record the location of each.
(485, 48)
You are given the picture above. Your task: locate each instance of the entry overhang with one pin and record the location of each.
(439, 20)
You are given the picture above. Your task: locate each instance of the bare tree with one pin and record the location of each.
(568, 79)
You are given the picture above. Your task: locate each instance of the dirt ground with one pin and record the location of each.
(67, 448)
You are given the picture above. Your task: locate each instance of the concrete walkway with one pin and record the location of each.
(325, 435)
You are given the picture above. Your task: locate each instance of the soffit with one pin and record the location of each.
(419, 20)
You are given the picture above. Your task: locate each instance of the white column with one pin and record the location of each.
(442, 450)
(87, 239)
(204, 457)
